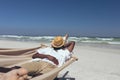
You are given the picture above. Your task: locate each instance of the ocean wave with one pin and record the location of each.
(105, 39)
(114, 43)
(77, 39)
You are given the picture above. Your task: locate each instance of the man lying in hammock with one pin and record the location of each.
(46, 59)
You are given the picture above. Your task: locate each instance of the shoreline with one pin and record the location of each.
(34, 44)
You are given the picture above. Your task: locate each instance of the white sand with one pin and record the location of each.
(93, 64)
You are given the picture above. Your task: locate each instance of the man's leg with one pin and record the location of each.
(38, 68)
(6, 69)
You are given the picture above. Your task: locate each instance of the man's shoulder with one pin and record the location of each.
(45, 48)
(63, 51)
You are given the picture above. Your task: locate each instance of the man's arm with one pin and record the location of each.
(37, 55)
(42, 56)
(70, 45)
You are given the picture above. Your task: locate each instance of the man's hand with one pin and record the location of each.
(66, 37)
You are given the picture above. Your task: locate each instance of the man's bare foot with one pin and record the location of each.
(17, 74)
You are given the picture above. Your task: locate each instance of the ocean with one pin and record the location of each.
(86, 41)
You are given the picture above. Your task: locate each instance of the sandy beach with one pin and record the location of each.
(94, 63)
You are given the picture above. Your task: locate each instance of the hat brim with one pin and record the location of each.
(57, 46)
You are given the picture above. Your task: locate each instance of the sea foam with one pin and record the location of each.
(91, 40)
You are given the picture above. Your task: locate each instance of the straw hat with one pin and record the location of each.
(58, 42)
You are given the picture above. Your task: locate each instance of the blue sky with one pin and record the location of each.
(57, 17)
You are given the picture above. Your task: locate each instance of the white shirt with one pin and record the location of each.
(61, 55)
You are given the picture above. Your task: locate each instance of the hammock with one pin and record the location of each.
(12, 57)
